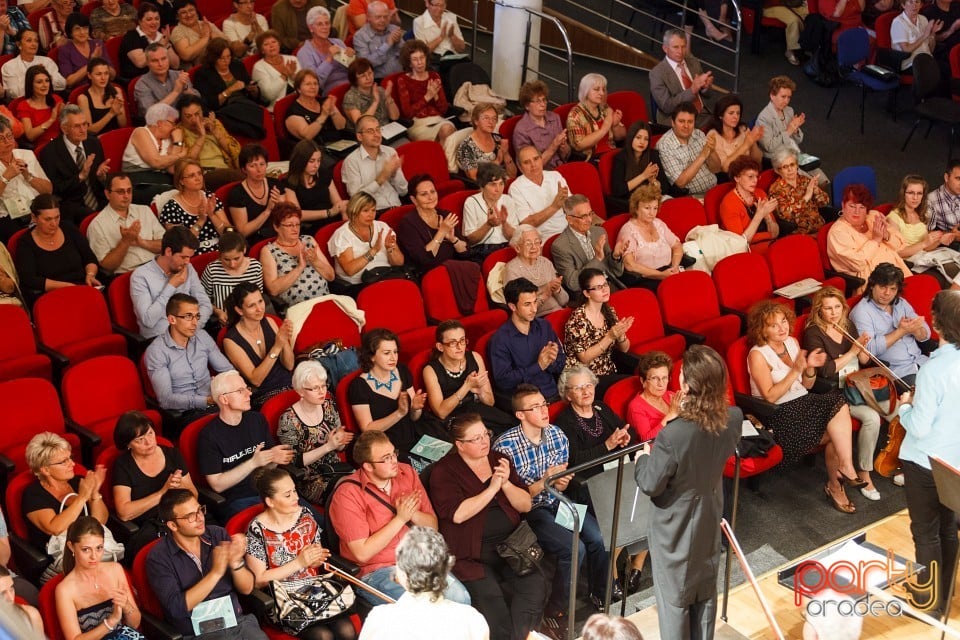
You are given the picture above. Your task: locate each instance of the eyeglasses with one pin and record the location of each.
(599, 287)
(387, 459)
(240, 390)
(487, 118)
(7, 137)
(189, 317)
(62, 463)
(658, 379)
(537, 407)
(789, 165)
(539, 100)
(486, 435)
(532, 243)
(587, 386)
(588, 214)
(122, 192)
(370, 130)
(291, 225)
(913, 193)
(462, 342)
(320, 387)
(193, 516)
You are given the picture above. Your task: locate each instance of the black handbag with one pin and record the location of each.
(521, 551)
(399, 272)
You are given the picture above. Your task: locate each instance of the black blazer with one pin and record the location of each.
(61, 168)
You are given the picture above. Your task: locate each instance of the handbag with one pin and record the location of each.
(398, 272)
(301, 603)
(112, 550)
(339, 361)
(521, 551)
(871, 387)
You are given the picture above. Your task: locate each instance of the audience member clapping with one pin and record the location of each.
(94, 596)
(383, 397)
(479, 499)
(294, 268)
(251, 202)
(23, 179)
(593, 126)
(164, 83)
(58, 496)
(102, 103)
(312, 428)
(309, 118)
(910, 218)
(861, 239)
(912, 33)
(194, 207)
(274, 71)
(540, 127)
(323, 54)
(14, 71)
(363, 245)
(734, 137)
(531, 264)
(142, 473)
(74, 55)
(457, 381)
(538, 195)
(421, 95)
(593, 335)
(133, 47)
(193, 34)
(243, 27)
(485, 214)
(284, 546)
(225, 84)
(781, 127)
(152, 152)
(374, 167)
(439, 29)
(782, 373)
(800, 200)
(428, 235)
(634, 166)
(656, 404)
(366, 98)
(688, 155)
(378, 41)
(40, 112)
(747, 211)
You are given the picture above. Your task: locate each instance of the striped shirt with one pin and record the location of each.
(532, 460)
(219, 284)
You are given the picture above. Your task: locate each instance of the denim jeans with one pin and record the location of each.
(382, 580)
(556, 540)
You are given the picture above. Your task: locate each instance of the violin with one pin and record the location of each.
(887, 461)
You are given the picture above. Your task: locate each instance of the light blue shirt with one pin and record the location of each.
(180, 376)
(150, 289)
(903, 356)
(931, 422)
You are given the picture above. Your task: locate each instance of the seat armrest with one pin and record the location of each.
(122, 529)
(690, 336)
(89, 441)
(7, 469)
(343, 564)
(136, 343)
(260, 604)
(30, 561)
(296, 472)
(757, 406)
(59, 360)
(209, 497)
(852, 282)
(735, 312)
(157, 629)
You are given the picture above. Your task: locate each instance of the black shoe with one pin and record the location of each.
(555, 625)
(616, 594)
(633, 581)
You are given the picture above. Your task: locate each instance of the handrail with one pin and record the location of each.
(619, 455)
(526, 48)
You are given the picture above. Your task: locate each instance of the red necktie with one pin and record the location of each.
(687, 83)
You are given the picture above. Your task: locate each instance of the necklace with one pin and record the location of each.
(388, 385)
(258, 335)
(455, 374)
(386, 486)
(781, 353)
(253, 193)
(595, 429)
(183, 197)
(359, 237)
(43, 239)
(288, 244)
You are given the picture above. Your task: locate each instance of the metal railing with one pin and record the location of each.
(545, 51)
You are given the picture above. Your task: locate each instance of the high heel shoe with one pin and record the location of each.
(843, 507)
(853, 483)
(633, 581)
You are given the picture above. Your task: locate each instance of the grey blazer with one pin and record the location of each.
(569, 260)
(668, 93)
(683, 475)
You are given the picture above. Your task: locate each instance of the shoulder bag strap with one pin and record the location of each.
(372, 493)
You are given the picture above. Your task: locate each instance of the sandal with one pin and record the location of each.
(842, 507)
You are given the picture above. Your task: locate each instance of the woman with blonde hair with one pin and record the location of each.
(828, 315)
(362, 244)
(910, 217)
(593, 126)
(655, 252)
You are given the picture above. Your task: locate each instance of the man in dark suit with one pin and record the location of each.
(679, 78)
(570, 252)
(75, 164)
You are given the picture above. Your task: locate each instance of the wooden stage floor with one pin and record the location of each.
(745, 618)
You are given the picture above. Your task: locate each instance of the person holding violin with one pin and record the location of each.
(929, 418)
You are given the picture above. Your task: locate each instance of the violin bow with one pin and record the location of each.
(880, 363)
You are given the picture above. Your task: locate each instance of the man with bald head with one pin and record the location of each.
(379, 41)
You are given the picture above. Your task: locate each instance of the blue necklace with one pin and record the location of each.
(388, 385)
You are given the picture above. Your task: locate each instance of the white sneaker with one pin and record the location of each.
(898, 480)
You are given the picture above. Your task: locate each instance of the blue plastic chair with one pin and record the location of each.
(853, 49)
(854, 175)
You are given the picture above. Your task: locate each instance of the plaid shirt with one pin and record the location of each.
(676, 157)
(531, 460)
(943, 210)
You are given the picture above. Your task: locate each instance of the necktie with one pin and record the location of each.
(687, 82)
(88, 198)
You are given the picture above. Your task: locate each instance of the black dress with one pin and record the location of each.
(279, 379)
(493, 418)
(316, 198)
(406, 432)
(240, 198)
(96, 114)
(328, 132)
(126, 473)
(588, 435)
